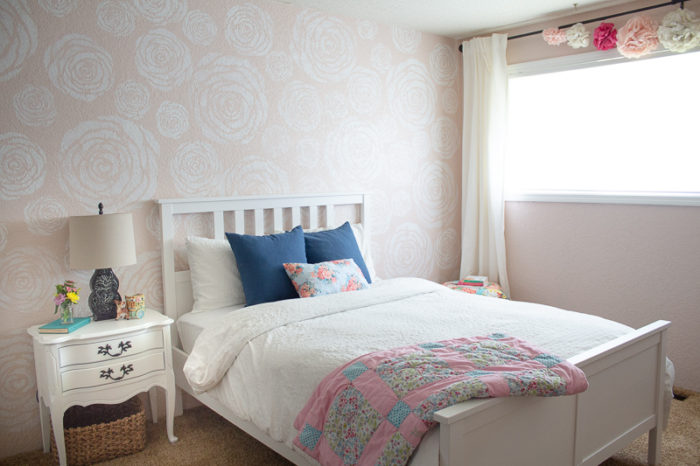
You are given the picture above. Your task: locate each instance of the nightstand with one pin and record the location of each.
(107, 361)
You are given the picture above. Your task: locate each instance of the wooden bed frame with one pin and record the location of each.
(626, 376)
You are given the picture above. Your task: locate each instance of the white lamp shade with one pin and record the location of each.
(101, 241)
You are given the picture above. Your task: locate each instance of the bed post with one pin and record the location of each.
(654, 448)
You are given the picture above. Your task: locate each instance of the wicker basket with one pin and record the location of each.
(100, 432)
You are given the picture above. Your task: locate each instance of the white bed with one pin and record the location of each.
(626, 374)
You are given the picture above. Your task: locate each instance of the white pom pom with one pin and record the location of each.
(679, 31)
(577, 36)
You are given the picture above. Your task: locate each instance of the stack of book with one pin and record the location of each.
(474, 280)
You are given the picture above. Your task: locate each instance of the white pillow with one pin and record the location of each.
(364, 244)
(216, 282)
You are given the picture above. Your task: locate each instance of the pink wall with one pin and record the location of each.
(125, 102)
(629, 263)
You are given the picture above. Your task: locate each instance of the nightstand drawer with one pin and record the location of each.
(122, 370)
(116, 348)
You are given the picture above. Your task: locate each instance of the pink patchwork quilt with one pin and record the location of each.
(376, 408)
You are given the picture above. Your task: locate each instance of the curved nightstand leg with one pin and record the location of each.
(44, 417)
(57, 421)
(170, 408)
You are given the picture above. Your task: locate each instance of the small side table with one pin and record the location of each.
(107, 361)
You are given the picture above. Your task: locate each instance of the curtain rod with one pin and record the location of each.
(601, 18)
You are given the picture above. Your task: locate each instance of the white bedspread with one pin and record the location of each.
(264, 361)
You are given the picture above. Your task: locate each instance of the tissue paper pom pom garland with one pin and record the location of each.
(679, 31)
(554, 36)
(577, 36)
(637, 37)
(605, 36)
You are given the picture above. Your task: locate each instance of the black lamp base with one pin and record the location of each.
(104, 289)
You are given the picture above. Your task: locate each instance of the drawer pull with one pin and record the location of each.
(107, 374)
(105, 350)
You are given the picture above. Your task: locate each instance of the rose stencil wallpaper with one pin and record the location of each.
(124, 102)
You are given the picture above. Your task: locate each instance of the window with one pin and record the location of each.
(631, 127)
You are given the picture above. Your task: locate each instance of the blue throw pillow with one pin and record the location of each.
(260, 260)
(330, 245)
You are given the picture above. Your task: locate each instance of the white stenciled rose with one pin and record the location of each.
(172, 120)
(336, 105)
(58, 8)
(257, 175)
(278, 66)
(276, 141)
(163, 59)
(445, 137)
(367, 29)
(421, 143)
(45, 216)
(79, 67)
(145, 277)
(34, 106)
(132, 99)
(111, 159)
(18, 37)
(410, 252)
(22, 166)
(354, 153)
(443, 64)
(17, 383)
(161, 11)
(308, 154)
(406, 40)
(199, 27)
(3, 236)
(450, 101)
(300, 106)
(448, 249)
(323, 46)
(411, 94)
(364, 90)
(380, 56)
(195, 169)
(249, 29)
(116, 17)
(26, 273)
(230, 103)
(435, 194)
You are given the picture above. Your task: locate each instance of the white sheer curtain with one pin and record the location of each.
(483, 154)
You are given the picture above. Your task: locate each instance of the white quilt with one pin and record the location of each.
(264, 361)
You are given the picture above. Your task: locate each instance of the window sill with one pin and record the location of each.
(669, 199)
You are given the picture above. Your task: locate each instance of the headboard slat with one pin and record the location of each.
(296, 216)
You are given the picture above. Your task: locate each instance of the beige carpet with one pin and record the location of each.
(208, 439)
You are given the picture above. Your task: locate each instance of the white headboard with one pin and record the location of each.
(249, 214)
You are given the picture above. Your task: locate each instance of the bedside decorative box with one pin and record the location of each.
(100, 432)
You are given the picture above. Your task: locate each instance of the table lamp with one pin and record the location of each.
(101, 242)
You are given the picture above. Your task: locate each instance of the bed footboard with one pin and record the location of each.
(624, 400)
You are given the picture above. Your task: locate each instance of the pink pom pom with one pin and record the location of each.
(554, 36)
(605, 36)
(638, 37)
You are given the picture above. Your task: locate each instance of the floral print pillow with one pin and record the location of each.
(325, 277)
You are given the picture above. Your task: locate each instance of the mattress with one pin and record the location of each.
(191, 324)
(289, 346)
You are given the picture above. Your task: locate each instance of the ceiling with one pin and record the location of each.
(458, 19)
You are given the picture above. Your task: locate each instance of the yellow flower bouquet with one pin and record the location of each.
(66, 295)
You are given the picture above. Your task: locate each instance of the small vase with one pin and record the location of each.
(67, 314)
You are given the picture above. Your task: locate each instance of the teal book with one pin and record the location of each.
(57, 327)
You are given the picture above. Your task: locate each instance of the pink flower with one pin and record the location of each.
(605, 36)
(554, 36)
(638, 37)
(58, 299)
